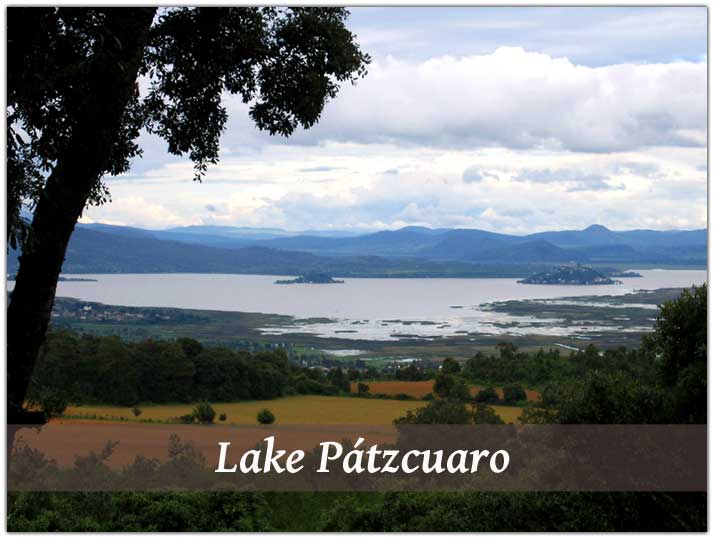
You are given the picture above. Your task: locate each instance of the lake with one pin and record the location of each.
(381, 309)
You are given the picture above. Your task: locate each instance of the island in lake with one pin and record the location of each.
(314, 278)
(628, 273)
(570, 275)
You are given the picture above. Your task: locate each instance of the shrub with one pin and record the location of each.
(362, 388)
(136, 410)
(265, 417)
(484, 414)
(187, 419)
(204, 413)
(487, 395)
(51, 402)
(402, 396)
(450, 366)
(440, 411)
(514, 393)
(222, 417)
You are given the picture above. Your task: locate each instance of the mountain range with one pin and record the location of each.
(410, 251)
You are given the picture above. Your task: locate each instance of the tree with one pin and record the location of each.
(442, 385)
(265, 417)
(448, 386)
(362, 388)
(204, 413)
(487, 395)
(339, 380)
(190, 346)
(75, 110)
(514, 393)
(440, 411)
(679, 342)
(484, 414)
(450, 366)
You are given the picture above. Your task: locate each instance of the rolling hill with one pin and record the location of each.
(411, 251)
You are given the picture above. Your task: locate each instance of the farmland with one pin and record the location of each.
(288, 410)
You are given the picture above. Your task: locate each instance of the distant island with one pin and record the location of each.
(624, 274)
(570, 275)
(310, 278)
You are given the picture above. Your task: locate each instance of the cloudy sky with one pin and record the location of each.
(506, 119)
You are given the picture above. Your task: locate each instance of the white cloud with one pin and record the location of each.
(519, 99)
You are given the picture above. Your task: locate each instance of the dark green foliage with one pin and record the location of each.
(679, 340)
(93, 369)
(339, 380)
(439, 411)
(265, 417)
(222, 511)
(487, 395)
(389, 512)
(222, 417)
(136, 411)
(545, 367)
(484, 414)
(513, 393)
(449, 386)
(362, 388)
(413, 373)
(204, 413)
(190, 346)
(450, 366)
(51, 401)
(515, 512)
(660, 386)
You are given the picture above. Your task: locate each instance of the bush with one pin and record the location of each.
(402, 396)
(362, 388)
(53, 403)
(484, 414)
(448, 386)
(514, 393)
(204, 413)
(440, 411)
(450, 366)
(187, 419)
(222, 417)
(136, 410)
(487, 395)
(265, 417)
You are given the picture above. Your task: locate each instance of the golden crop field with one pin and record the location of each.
(507, 413)
(418, 389)
(287, 410)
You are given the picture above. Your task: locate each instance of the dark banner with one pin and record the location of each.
(144, 457)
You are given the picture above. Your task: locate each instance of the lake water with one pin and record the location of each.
(381, 309)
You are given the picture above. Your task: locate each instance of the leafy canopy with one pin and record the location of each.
(285, 62)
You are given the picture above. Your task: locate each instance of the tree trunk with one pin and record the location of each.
(111, 79)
